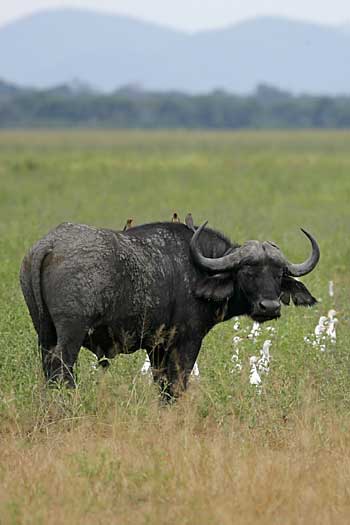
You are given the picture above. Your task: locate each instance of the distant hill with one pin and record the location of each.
(108, 51)
(7, 89)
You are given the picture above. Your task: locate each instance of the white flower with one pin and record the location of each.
(331, 330)
(321, 326)
(235, 359)
(332, 314)
(266, 348)
(325, 332)
(146, 368)
(195, 370)
(254, 377)
(255, 331)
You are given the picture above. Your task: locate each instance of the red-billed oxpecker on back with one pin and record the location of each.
(160, 287)
(129, 224)
(189, 222)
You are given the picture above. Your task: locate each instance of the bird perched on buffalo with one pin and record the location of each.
(129, 224)
(189, 222)
(175, 217)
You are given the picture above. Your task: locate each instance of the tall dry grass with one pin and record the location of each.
(173, 466)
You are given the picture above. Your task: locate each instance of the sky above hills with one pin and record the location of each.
(109, 51)
(193, 15)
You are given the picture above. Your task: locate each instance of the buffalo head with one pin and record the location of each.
(257, 274)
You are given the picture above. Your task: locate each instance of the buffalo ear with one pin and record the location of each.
(297, 291)
(216, 288)
(285, 297)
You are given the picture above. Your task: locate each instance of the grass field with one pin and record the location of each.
(227, 452)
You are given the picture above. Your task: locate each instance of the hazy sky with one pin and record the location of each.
(194, 14)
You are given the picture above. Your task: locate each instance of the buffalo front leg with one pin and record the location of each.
(157, 357)
(180, 361)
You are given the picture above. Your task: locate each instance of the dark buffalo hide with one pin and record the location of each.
(160, 287)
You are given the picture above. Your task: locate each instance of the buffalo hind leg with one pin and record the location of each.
(47, 340)
(62, 357)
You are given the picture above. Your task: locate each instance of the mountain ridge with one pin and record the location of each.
(52, 47)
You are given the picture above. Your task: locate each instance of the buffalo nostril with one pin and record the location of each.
(269, 305)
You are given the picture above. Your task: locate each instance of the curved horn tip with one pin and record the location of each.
(200, 229)
(311, 238)
(304, 231)
(298, 270)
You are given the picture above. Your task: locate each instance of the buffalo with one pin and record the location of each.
(160, 287)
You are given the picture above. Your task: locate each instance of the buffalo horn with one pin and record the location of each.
(222, 264)
(297, 270)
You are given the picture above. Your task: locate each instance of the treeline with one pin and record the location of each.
(134, 108)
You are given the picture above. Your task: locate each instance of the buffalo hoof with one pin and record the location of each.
(59, 382)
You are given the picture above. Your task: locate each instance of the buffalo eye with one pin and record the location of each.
(278, 274)
(249, 271)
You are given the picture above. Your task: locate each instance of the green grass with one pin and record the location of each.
(249, 185)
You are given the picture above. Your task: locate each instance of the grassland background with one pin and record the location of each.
(224, 454)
